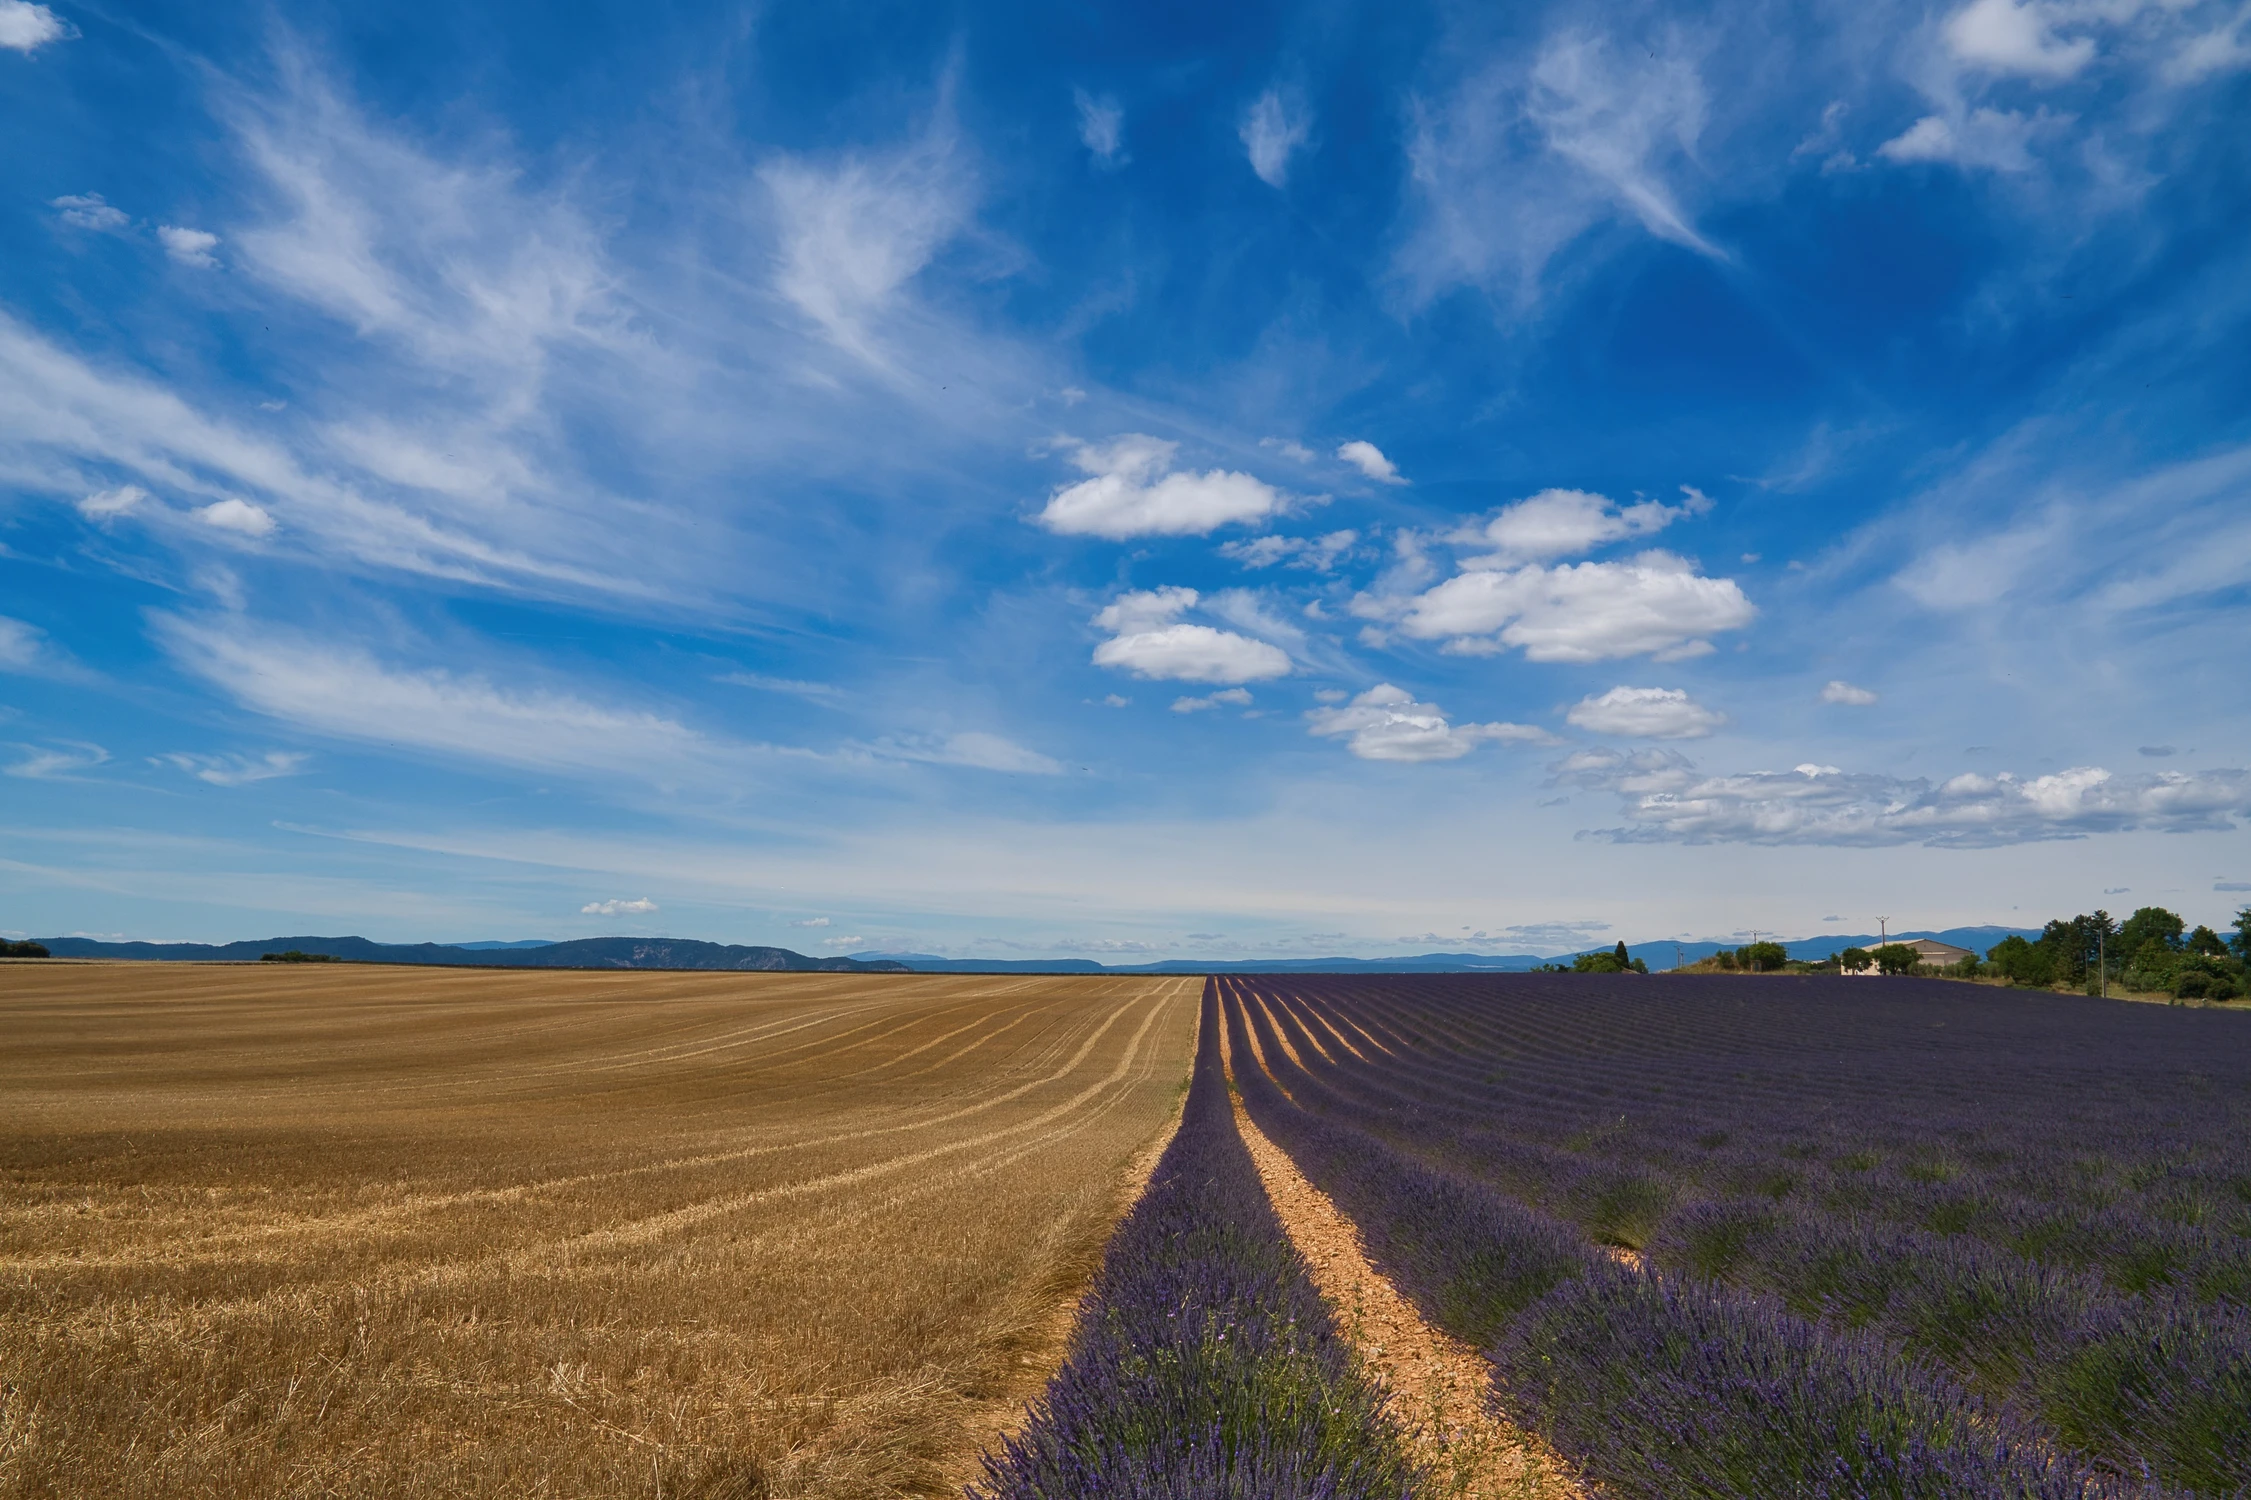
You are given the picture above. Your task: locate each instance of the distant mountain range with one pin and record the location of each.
(580, 953)
(688, 953)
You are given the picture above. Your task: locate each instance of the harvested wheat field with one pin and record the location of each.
(371, 1231)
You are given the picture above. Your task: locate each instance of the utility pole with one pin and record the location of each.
(1883, 936)
(2102, 961)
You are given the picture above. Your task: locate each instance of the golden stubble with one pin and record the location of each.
(358, 1230)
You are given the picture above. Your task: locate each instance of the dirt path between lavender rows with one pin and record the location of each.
(1438, 1384)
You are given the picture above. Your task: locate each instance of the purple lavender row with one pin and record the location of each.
(2156, 1382)
(1654, 1388)
(2146, 1207)
(1204, 1364)
(2071, 1118)
(2153, 1381)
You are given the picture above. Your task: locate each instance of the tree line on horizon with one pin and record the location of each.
(2153, 951)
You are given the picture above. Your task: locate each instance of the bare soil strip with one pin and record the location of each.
(1440, 1386)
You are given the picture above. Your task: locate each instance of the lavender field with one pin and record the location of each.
(1780, 1236)
(1204, 1362)
(1714, 1237)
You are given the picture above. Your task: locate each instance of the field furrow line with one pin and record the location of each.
(528, 1259)
(1439, 1385)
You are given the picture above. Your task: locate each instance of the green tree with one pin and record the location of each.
(2152, 965)
(1897, 958)
(26, 949)
(2207, 942)
(2072, 946)
(2199, 976)
(1625, 959)
(1853, 960)
(2150, 924)
(2241, 941)
(1761, 957)
(1597, 962)
(2020, 962)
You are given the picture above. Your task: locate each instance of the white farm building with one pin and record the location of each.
(1934, 954)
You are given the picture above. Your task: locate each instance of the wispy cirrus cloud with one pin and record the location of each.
(62, 760)
(25, 648)
(347, 692)
(1101, 128)
(236, 769)
(854, 230)
(1521, 158)
(1273, 129)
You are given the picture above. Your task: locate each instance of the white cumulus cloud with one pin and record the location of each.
(1134, 491)
(1369, 460)
(1563, 523)
(1193, 653)
(190, 247)
(1655, 604)
(1148, 641)
(237, 516)
(1386, 723)
(616, 908)
(1998, 140)
(1646, 713)
(1840, 691)
(25, 27)
(87, 210)
(1665, 798)
(811, 922)
(2007, 37)
(1272, 128)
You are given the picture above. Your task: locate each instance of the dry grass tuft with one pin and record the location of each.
(367, 1231)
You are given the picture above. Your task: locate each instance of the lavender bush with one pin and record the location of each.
(1204, 1363)
(1746, 1146)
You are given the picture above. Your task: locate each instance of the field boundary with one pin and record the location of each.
(1440, 1386)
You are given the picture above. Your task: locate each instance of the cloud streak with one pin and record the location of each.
(1666, 799)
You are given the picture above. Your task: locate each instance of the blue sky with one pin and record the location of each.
(1153, 480)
